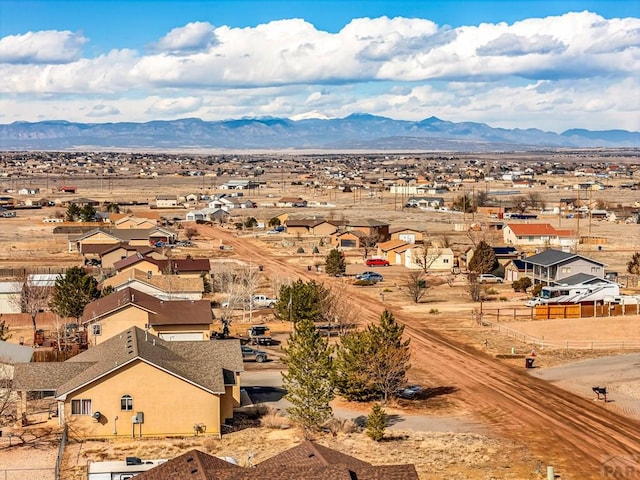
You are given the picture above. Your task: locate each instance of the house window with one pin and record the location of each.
(445, 260)
(126, 403)
(96, 329)
(566, 270)
(595, 269)
(81, 407)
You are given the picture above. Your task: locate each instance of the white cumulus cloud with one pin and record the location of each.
(44, 47)
(174, 106)
(193, 37)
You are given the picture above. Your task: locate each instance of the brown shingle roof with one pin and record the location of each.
(208, 365)
(161, 312)
(307, 461)
(166, 283)
(194, 465)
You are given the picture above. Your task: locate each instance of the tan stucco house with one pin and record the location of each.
(176, 320)
(164, 287)
(136, 384)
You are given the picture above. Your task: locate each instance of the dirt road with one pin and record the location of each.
(581, 438)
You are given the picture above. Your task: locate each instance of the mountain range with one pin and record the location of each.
(307, 131)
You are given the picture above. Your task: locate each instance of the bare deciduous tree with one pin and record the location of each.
(368, 242)
(338, 309)
(426, 255)
(31, 298)
(416, 285)
(7, 396)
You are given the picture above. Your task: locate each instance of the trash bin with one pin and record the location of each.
(309, 267)
(529, 362)
(260, 268)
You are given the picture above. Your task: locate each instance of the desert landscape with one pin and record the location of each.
(482, 414)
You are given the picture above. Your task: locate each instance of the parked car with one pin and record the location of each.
(377, 262)
(364, 274)
(249, 353)
(259, 331)
(409, 392)
(371, 277)
(489, 278)
(534, 302)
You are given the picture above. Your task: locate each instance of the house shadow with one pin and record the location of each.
(259, 394)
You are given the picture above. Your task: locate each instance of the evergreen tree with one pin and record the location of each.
(300, 301)
(633, 265)
(309, 375)
(88, 213)
(389, 363)
(376, 423)
(334, 263)
(73, 212)
(484, 259)
(73, 291)
(352, 377)
(372, 363)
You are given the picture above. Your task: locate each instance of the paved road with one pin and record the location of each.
(265, 387)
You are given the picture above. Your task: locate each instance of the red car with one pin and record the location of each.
(377, 262)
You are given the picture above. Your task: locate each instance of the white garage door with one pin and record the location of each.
(181, 337)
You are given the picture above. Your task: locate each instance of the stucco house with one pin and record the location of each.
(164, 287)
(167, 201)
(188, 267)
(408, 235)
(371, 228)
(136, 384)
(436, 258)
(554, 265)
(10, 293)
(176, 320)
(291, 202)
(111, 254)
(538, 234)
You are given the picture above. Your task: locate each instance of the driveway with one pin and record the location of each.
(620, 374)
(265, 387)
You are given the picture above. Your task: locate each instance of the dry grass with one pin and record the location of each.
(275, 420)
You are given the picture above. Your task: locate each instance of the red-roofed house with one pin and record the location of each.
(542, 234)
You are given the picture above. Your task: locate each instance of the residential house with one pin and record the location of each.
(389, 250)
(68, 189)
(426, 203)
(371, 228)
(135, 222)
(348, 239)
(537, 234)
(554, 265)
(176, 320)
(136, 384)
(434, 257)
(167, 201)
(188, 267)
(514, 269)
(164, 287)
(10, 294)
(208, 215)
(291, 202)
(113, 236)
(110, 254)
(408, 235)
(307, 460)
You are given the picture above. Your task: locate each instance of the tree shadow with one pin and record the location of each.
(434, 392)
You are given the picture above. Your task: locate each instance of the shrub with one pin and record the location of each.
(300, 250)
(434, 311)
(376, 423)
(503, 299)
(341, 425)
(537, 289)
(274, 419)
(491, 291)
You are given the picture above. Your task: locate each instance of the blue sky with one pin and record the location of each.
(546, 64)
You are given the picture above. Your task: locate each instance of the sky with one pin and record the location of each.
(551, 65)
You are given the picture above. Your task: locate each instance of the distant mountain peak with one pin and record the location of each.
(312, 115)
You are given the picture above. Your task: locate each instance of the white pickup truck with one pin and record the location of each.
(257, 301)
(262, 301)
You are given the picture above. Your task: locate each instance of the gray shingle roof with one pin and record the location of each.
(554, 257)
(13, 353)
(200, 363)
(579, 278)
